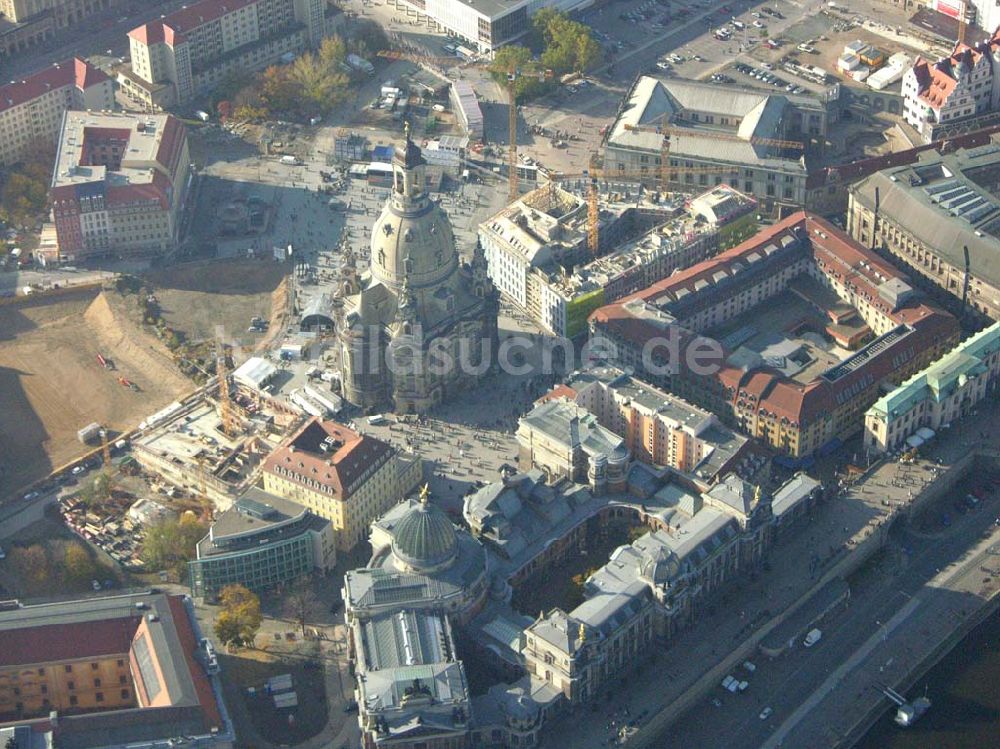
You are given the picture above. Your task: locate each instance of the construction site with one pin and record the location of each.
(53, 381)
(212, 444)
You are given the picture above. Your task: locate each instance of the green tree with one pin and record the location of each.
(321, 88)
(239, 620)
(277, 91)
(170, 543)
(77, 563)
(515, 60)
(333, 52)
(567, 46)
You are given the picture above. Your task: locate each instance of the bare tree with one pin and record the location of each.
(301, 602)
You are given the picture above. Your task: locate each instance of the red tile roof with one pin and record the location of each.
(86, 75)
(74, 72)
(63, 642)
(206, 11)
(936, 81)
(559, 391)
(352, 454)
(837, 255)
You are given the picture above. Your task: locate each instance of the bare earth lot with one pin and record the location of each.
(196, 298)
(51, 384)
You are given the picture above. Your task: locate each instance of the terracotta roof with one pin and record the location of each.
(148, 33)
(86, 75)
(836, 254)
(63, 642)
(559, 391)
(75, 72)
(204, 12)
(936, 81)
(155, 32)
(339, 468)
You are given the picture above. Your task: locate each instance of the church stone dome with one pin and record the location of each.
(412, 238)
(424, 538)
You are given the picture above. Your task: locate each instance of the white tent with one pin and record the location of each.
(914, 441)
(925, 433)
(255, 372)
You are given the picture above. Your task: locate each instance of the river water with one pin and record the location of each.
(964, 689)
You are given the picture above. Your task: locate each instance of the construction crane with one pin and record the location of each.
(106, 450)
(225, 403)
(510, 87)
(596, 172)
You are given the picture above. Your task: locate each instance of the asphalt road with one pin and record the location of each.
(93, 37)
(784, 683)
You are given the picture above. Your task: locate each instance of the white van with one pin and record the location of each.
(812, 638)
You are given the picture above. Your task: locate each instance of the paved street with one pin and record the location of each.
(893, 584)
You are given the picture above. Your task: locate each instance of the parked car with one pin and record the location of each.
(765, 713)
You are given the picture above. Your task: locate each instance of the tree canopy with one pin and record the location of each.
(567, 46)
(24, 194)
(170, 543)
(239, 620)
(515, 60)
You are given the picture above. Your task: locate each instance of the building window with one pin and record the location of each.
(124, 694)
(71, 685)
(97, 682)
(99, 696)
(72, 699)
(93, 666)
(68, 669)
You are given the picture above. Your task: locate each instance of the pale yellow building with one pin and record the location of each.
(348, 478)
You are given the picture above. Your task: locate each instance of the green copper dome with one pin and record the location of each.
(425, 537)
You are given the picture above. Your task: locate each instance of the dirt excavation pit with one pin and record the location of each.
(52, 384)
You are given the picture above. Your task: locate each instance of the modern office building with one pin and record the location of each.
(487, 25)
(192, 49)
(966, 85)
(348, 478)
(930, 213)
(32, 109)
(789, 336)
(263, 541)
(124, 670)
(937, 397)
(718, 134)
(658, 428)
(119, 185)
